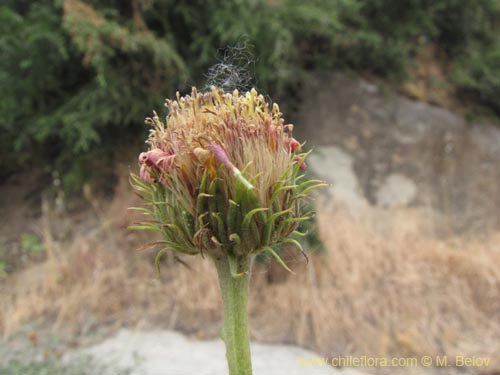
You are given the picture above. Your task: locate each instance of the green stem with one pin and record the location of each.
(234, 290)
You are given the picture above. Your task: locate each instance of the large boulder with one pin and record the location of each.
(401, 152)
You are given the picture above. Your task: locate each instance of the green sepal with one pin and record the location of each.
(305, 191)
(232, 220)
(249, 227)
(300, 234)
(150, 245)
(248, 217)
(318, 183)
(291, 221)
(298, 245)
(181, 236)
(234, 237)
(233, 267)
(144, 227)
(221, 230)
(145, 211)
(274, 196)
(270, 225)
(159, 254)
(278, 258)
(188, 222)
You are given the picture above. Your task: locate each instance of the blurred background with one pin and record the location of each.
(400, 100)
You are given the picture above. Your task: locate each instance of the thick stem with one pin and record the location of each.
(234, 290)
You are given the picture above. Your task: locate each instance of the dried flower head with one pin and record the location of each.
(222, 177)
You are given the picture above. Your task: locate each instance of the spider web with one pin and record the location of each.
(234, 68)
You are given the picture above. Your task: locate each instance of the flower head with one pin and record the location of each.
(222, 176)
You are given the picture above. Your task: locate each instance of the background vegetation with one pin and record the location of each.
(78, 77)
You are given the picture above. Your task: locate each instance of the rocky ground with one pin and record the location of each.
(171, 353)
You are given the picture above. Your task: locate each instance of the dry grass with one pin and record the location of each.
(379, 291)
(395, 294)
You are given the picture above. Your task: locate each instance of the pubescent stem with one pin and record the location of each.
(234, 290)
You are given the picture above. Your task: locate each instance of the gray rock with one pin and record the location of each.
(396, 190)
(171, 353)
(335, 167)
(453, 166)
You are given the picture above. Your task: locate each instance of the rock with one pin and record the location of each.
(396, 190)
(171, 353)
(335, 167)
(449, 166)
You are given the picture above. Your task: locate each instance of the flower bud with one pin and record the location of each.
(223, 176)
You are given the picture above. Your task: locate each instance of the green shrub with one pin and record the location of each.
(78, 77)
(31, 244)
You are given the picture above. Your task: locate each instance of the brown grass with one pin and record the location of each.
(380, 290)
(391, 295)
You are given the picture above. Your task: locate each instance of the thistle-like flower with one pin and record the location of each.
(223, 177)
